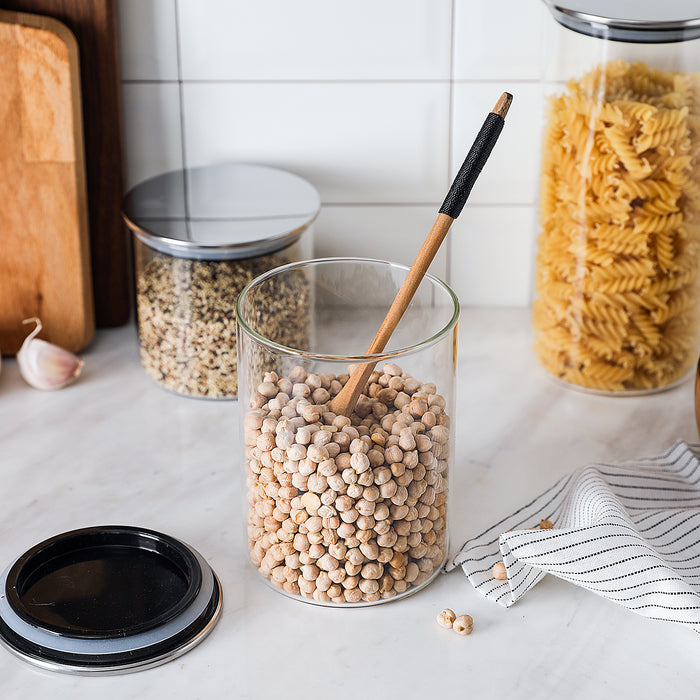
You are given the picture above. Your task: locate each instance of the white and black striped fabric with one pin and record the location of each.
(629, 532)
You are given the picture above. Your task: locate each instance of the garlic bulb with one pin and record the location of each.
(45, 365)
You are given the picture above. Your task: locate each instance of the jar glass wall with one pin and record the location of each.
(346, 510)
(186, 324)
(617, 306)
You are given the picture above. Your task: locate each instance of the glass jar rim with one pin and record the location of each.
(350, 359)
(606, 21)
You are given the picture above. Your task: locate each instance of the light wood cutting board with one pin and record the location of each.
(44, 240)
(96, 28)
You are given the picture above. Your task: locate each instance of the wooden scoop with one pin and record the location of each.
(344, 402)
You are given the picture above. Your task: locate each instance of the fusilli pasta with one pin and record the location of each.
(618, 262)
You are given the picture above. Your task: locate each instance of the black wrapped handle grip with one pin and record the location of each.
(473, 164)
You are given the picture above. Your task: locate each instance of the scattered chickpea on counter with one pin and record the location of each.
(446, 618)
(464, 624)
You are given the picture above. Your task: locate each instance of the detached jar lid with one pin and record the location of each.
(221, 212)
(107, 600)
(634, 21)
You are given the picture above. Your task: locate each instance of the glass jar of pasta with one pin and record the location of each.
(617, 282)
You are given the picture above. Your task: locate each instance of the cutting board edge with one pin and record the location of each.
(64, 33)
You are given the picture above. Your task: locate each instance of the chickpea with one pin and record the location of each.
(335, 592)
(337, 575)
(335, 482)
(341, 422)
(352, 569)
(446, 618)
(353, 595)
(313, 524)
(306, 587)
(327, 562)
(322, 437)
(355, 490)
(499, 571)
(369, 549)
(323, 581)
(311, 502)
(309, 572)
(338, 550)
(365, 522)
(381, 512)
(368, 585)
(350, 582)
(316, 550)
(463, 624)
(365, 479)
(363, 536)
(372, 570)
(365, 507)
(359, 461)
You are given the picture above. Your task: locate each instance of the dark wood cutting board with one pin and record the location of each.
(44, 266)
(94, 23)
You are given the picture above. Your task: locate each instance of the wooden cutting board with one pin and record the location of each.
(95, 25)
(44, 260)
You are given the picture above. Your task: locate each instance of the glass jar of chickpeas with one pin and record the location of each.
(347, 508)
(617, 306)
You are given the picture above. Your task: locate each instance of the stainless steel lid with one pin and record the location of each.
(635, 21)
(107, 600)
(220, 212)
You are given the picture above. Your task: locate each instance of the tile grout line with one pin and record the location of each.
(436, 204)
(450, 134)
(334, 81)
(181, 102)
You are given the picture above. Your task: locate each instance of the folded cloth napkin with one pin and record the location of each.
(629, 532)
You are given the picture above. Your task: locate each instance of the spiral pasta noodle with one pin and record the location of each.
(617, 274)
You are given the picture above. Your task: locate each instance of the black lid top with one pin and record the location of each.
(107, 600)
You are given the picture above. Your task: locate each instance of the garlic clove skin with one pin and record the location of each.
(44, 365)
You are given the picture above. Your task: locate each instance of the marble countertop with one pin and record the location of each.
(115, 448)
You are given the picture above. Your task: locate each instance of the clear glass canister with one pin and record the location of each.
(200, 236)
(346, 510)
(617, 308)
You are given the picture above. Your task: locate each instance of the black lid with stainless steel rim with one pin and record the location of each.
(227, 211)
(634, 21)
(107, 600)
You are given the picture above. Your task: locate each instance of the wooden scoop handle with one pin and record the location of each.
(344, 402)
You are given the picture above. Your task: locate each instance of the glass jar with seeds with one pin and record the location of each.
(200, 236)
(347, 510)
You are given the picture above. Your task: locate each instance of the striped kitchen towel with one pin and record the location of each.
(628, 531)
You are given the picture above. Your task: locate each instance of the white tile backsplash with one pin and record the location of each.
(498, 41)
(357, 142)
(375, 103)
(152, 133)
(491, 255)
(315, 40)
(148, 39)
(510, 174)
(393, 233)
